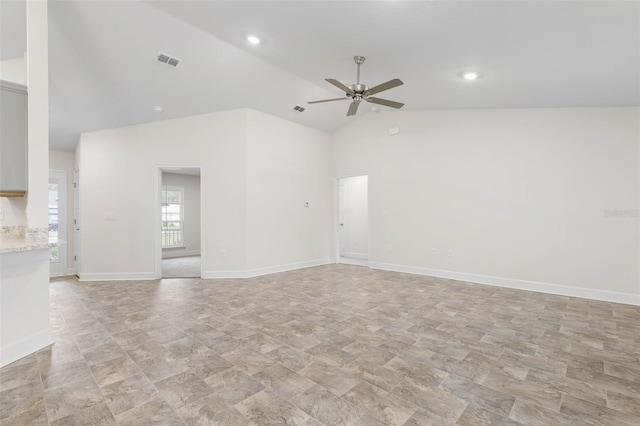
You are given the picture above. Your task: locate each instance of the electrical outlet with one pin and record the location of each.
(433, 251)
(223, 252)
(450, 252)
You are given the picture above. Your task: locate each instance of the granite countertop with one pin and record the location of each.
(20, 238)
(14, 245)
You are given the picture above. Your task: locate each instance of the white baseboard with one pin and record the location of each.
(66, 273)
(360, 256)
(208, 275)
(166, 254)
(256, 272)
(563, 290)
(288, 267)
(349, 261)
(25, 346)
(118, 276)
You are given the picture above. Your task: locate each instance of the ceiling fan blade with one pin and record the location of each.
(385, 86)
(353, 108)
(327, 100)
(385, 102)
(340, 86)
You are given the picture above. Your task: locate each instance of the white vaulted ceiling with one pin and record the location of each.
(103, 71)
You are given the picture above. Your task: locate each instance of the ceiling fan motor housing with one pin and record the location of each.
(359, 88)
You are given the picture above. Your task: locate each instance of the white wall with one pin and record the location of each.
(287, 166)
(62, 160)
(38, 115)
(353, 213)
(119, 175)
(246, 159)
(14, 70)
(191, 204)
(24, 294)
(518, 195)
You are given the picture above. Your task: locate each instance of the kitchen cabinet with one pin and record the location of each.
(13, 139)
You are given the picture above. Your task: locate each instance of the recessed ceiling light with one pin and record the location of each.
(470, 75)
(157, 108)
(253, 39)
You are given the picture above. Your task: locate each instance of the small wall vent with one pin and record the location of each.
(299, 108)
(169, 60)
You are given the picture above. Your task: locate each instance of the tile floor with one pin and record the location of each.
(332, 345)
(181, 267)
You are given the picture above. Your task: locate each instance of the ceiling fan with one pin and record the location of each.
(361, 92)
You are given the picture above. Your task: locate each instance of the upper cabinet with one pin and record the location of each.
(13, 139)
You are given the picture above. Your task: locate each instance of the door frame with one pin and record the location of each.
(336, 216)
(158, 216)
(76, 224)
(63, 232)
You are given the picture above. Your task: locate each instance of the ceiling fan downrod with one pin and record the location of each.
(358, 60)
(358, 88)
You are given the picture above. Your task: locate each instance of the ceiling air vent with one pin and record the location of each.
(299, 108)
(169, 60)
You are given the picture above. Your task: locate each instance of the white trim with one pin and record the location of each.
(118, 276)
(563, 290)
(266, 270)
(67, 273)
(209, 275)
(56, 269)
(173, 252)
(157, 274)
(25, 346)
(350, 261)
(359, 256)
(287, 267)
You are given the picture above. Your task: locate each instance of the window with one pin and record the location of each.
(172, 216)
(54, 216)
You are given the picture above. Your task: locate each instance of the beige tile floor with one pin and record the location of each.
(181, 267)
(329, 345)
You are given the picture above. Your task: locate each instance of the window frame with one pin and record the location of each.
(163, 215)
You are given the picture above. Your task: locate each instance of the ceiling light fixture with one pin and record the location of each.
(253, 39)
(157, 108)
(470, 75)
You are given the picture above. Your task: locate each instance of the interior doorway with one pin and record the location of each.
(58, 222)
(180, 226)
(353, 220)
(76, 223)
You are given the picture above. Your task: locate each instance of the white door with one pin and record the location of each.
(342, 200)
(58, 222)
(76, 222)
(353, 220)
